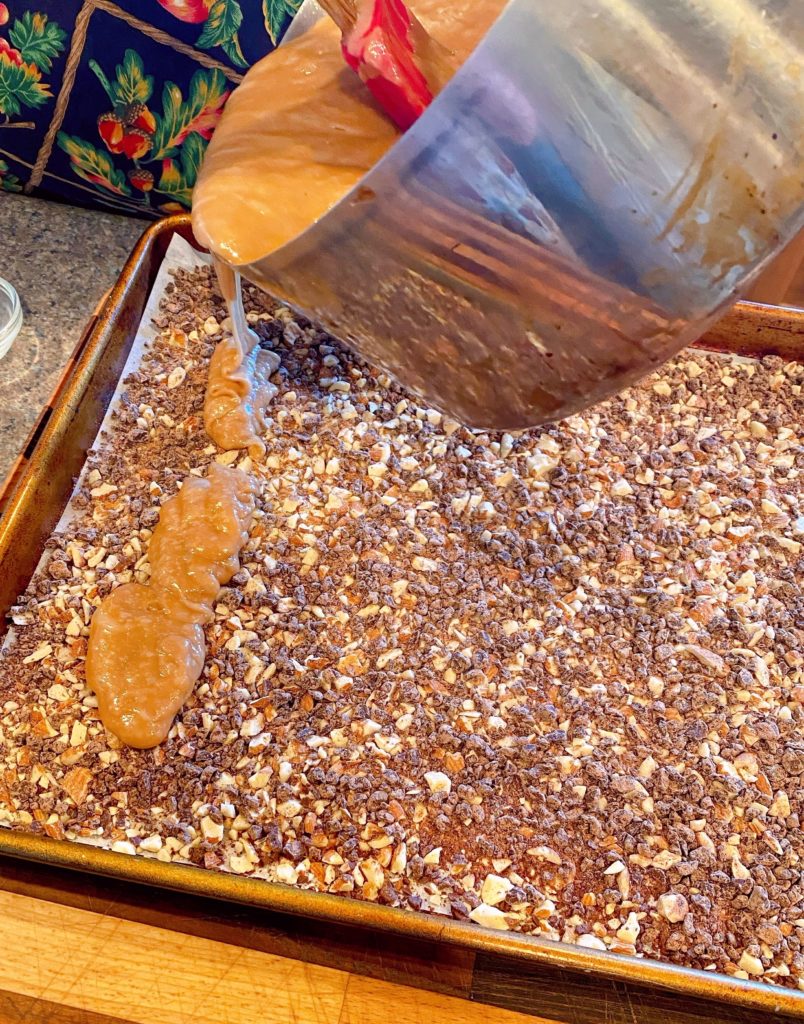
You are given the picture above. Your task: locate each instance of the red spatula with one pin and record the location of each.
(400, 63)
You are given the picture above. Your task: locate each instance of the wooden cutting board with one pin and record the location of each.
(84, 950)
(69, 965)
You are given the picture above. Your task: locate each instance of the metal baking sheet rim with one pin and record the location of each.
(769, 323)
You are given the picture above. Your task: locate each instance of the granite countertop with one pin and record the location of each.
(61, 260)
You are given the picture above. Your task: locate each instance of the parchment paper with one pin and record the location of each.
(180, 255)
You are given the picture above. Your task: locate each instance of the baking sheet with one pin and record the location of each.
(113, 332)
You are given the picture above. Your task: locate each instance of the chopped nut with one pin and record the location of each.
(454, 762)
(285, 873)
(489, 917)
(399, 860)
(438, 782)
(545, 853)
(176, 377)
(495, 889)
(707, 658)
(373, 873)
(621, 488)
(747, 766)
(103, 490)
(151, 844)
(211, 830)
(672, 906)
(629, 932)
(76, 784)
(42, 651)
(750, 964)
(240, 865)
(78, 734)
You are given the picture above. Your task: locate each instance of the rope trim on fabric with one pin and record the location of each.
(77, 43)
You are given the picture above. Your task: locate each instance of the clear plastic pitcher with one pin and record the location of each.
(592, 189)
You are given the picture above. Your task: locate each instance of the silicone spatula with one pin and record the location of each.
(388, 47)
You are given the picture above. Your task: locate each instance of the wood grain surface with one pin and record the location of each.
(65, 959)
(79, 949)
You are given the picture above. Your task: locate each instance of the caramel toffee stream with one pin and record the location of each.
(146, 644)
(239, 387)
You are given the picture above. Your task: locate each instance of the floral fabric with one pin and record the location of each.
(112, 104)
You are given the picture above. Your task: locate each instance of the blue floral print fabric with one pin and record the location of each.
(112, 104)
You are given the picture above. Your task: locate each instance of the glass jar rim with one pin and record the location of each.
(11, 327)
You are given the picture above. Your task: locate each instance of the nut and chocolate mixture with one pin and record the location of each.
(550, 683)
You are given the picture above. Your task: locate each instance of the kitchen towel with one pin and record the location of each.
(111, 104)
